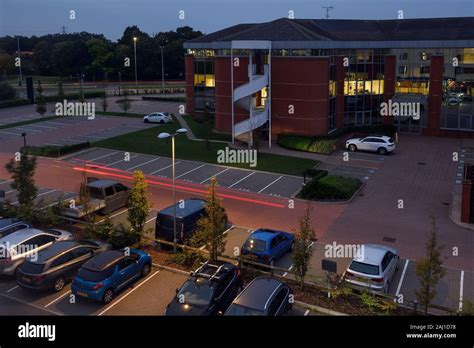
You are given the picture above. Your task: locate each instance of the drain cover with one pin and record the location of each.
(389, 239)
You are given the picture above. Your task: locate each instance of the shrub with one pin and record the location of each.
(170, 99)
(294, 142)
(54, 151)
(316, 174)
(123, 236)
(13, 102)
(7, 91)
(189, 259)
(330, 188)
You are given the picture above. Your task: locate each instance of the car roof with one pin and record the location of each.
(264, 234)
(103, 260)
(191, 205)
(5, 222)
(373, 254)
(378, 136)
(56, 249)
(257, 293)
(101, 183)
(19, 236)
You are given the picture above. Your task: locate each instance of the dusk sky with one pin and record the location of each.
(110, 17)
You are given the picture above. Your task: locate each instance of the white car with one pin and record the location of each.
(158, 117)
(454, 101)
(373, 268)
(26, 243)
(375, 143)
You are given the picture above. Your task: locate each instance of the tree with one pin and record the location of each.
(125, 102)
(302, 252)
(22, 172)
(429, 269)
(138, 204)
(101, 57)
(210, 227)
(40, 102)
(104, 103)
(7, 91)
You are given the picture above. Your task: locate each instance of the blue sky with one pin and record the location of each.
(110, 17)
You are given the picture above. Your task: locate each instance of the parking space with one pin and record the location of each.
(195, 172)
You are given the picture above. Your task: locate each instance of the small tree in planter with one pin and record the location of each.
(105, 104)
(125, 102)
(302, 252)
(40, 102)
(138, 204)
(60, 91)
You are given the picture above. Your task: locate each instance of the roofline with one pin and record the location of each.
(314, 44)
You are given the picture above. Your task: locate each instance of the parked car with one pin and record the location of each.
(26, 243)
(209, 290)
(188, 212)
(267, 246)
(374, 143)
(454, 101)
(57, 265)
(373, 268)
(104, 275)
(158, 117)
(106, 196)
(10, 225)
(264, 296)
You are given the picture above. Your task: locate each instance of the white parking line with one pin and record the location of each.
(159, 170)
(28, 130)
(270, 184)
(461, 285)
(41, 194)
(9, 133)
(30, 304)
(109, 154)
(142, 164)
(15, 287)
(289, 269)
(111, 164)
(209, 178)
(112, 216)
(189, 171)
(235, 183)
(306, 313)
(57, 299)
(402, 277)
(128, 293)
(153, 218)
(41, 126)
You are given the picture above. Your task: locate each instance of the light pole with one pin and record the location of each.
(19, 57)
(135, 52)
(165, 136)
(162, 71)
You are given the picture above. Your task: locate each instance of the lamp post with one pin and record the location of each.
(162, 71)
(135, 52)
(172, 136)
(20, 78)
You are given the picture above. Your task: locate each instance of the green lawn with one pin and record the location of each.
(146, 141)
(35, 120)
(122, 114)
(201, 130)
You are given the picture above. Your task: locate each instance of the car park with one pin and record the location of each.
(158, 117)
(263, 296)
(208, 291)
(267, 246)
(58, 264)
(373, 268)
(26, 243)
(374, 143)
(104, 275)
(10, 225)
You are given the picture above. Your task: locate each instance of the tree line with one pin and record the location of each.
(96, 57)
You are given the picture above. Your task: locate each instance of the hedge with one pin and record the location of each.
(74, 96)
(13, 102)
(54, 151)
(330, 188)
(168, 99)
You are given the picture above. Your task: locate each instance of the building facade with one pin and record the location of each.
(311, 77)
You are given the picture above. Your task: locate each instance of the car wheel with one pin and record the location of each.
(162, 122)
(292, 246)
(146, 121)
(108, 296)
(382, 151)
(352, 148)
(59, 284)
(146, 270)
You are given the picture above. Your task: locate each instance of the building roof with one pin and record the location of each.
(322, 32)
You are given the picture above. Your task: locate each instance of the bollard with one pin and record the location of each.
(415, 307)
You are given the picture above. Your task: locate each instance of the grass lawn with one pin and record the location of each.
(201, 130)
(122, 114)
(35, 120)
(145, 141)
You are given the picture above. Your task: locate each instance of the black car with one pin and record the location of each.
(264, 296)
(56, 265)
(10, 225)
(208, 291)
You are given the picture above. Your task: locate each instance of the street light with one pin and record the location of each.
(162, 71)
(165, 136)
(135, 51)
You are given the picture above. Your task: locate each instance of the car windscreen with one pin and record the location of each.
(95, 276)
(364, 268)
(95, 192)
(254, 244)
(196, 293)
(32, 268)
(390, 141)
(236, 309)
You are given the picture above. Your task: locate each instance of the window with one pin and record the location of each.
(124, 263)
(386, 260)
(109, 191)
(402, 69)
(63, 259)
(119, 188)
(277, 301)
(78, 252)
(424, 69)
(403, 56)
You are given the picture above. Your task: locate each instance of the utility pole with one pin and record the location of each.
(19, 57)
(327, 10)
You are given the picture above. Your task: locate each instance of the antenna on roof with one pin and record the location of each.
(327, 10)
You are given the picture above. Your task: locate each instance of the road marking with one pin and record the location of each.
(57, 299)
(402, 277)
(461, 285)
(159, 170)
(235, 183)
(37, 125)
(153, 218)
(306, 313)
(28, 130)
(289, 269)
(110, 164)
(31, 304)
(227, 231)
(10, 133)
(112, 216)
(270, 184)
(41, 194)
(109, 154)
(15, 287)
(128, 293)
(139, 165)
(192, 170)
(209, 178)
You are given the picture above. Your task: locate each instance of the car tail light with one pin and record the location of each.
(38, 278)
(97, 286)
(238, 273)
(349, 274)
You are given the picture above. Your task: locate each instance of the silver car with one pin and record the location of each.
(374, 143)
(26, 243)
(373, 268)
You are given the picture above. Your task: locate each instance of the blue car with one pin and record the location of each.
(265, 245)
(104, 275)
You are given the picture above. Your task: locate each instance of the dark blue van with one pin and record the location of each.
(187, 215)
